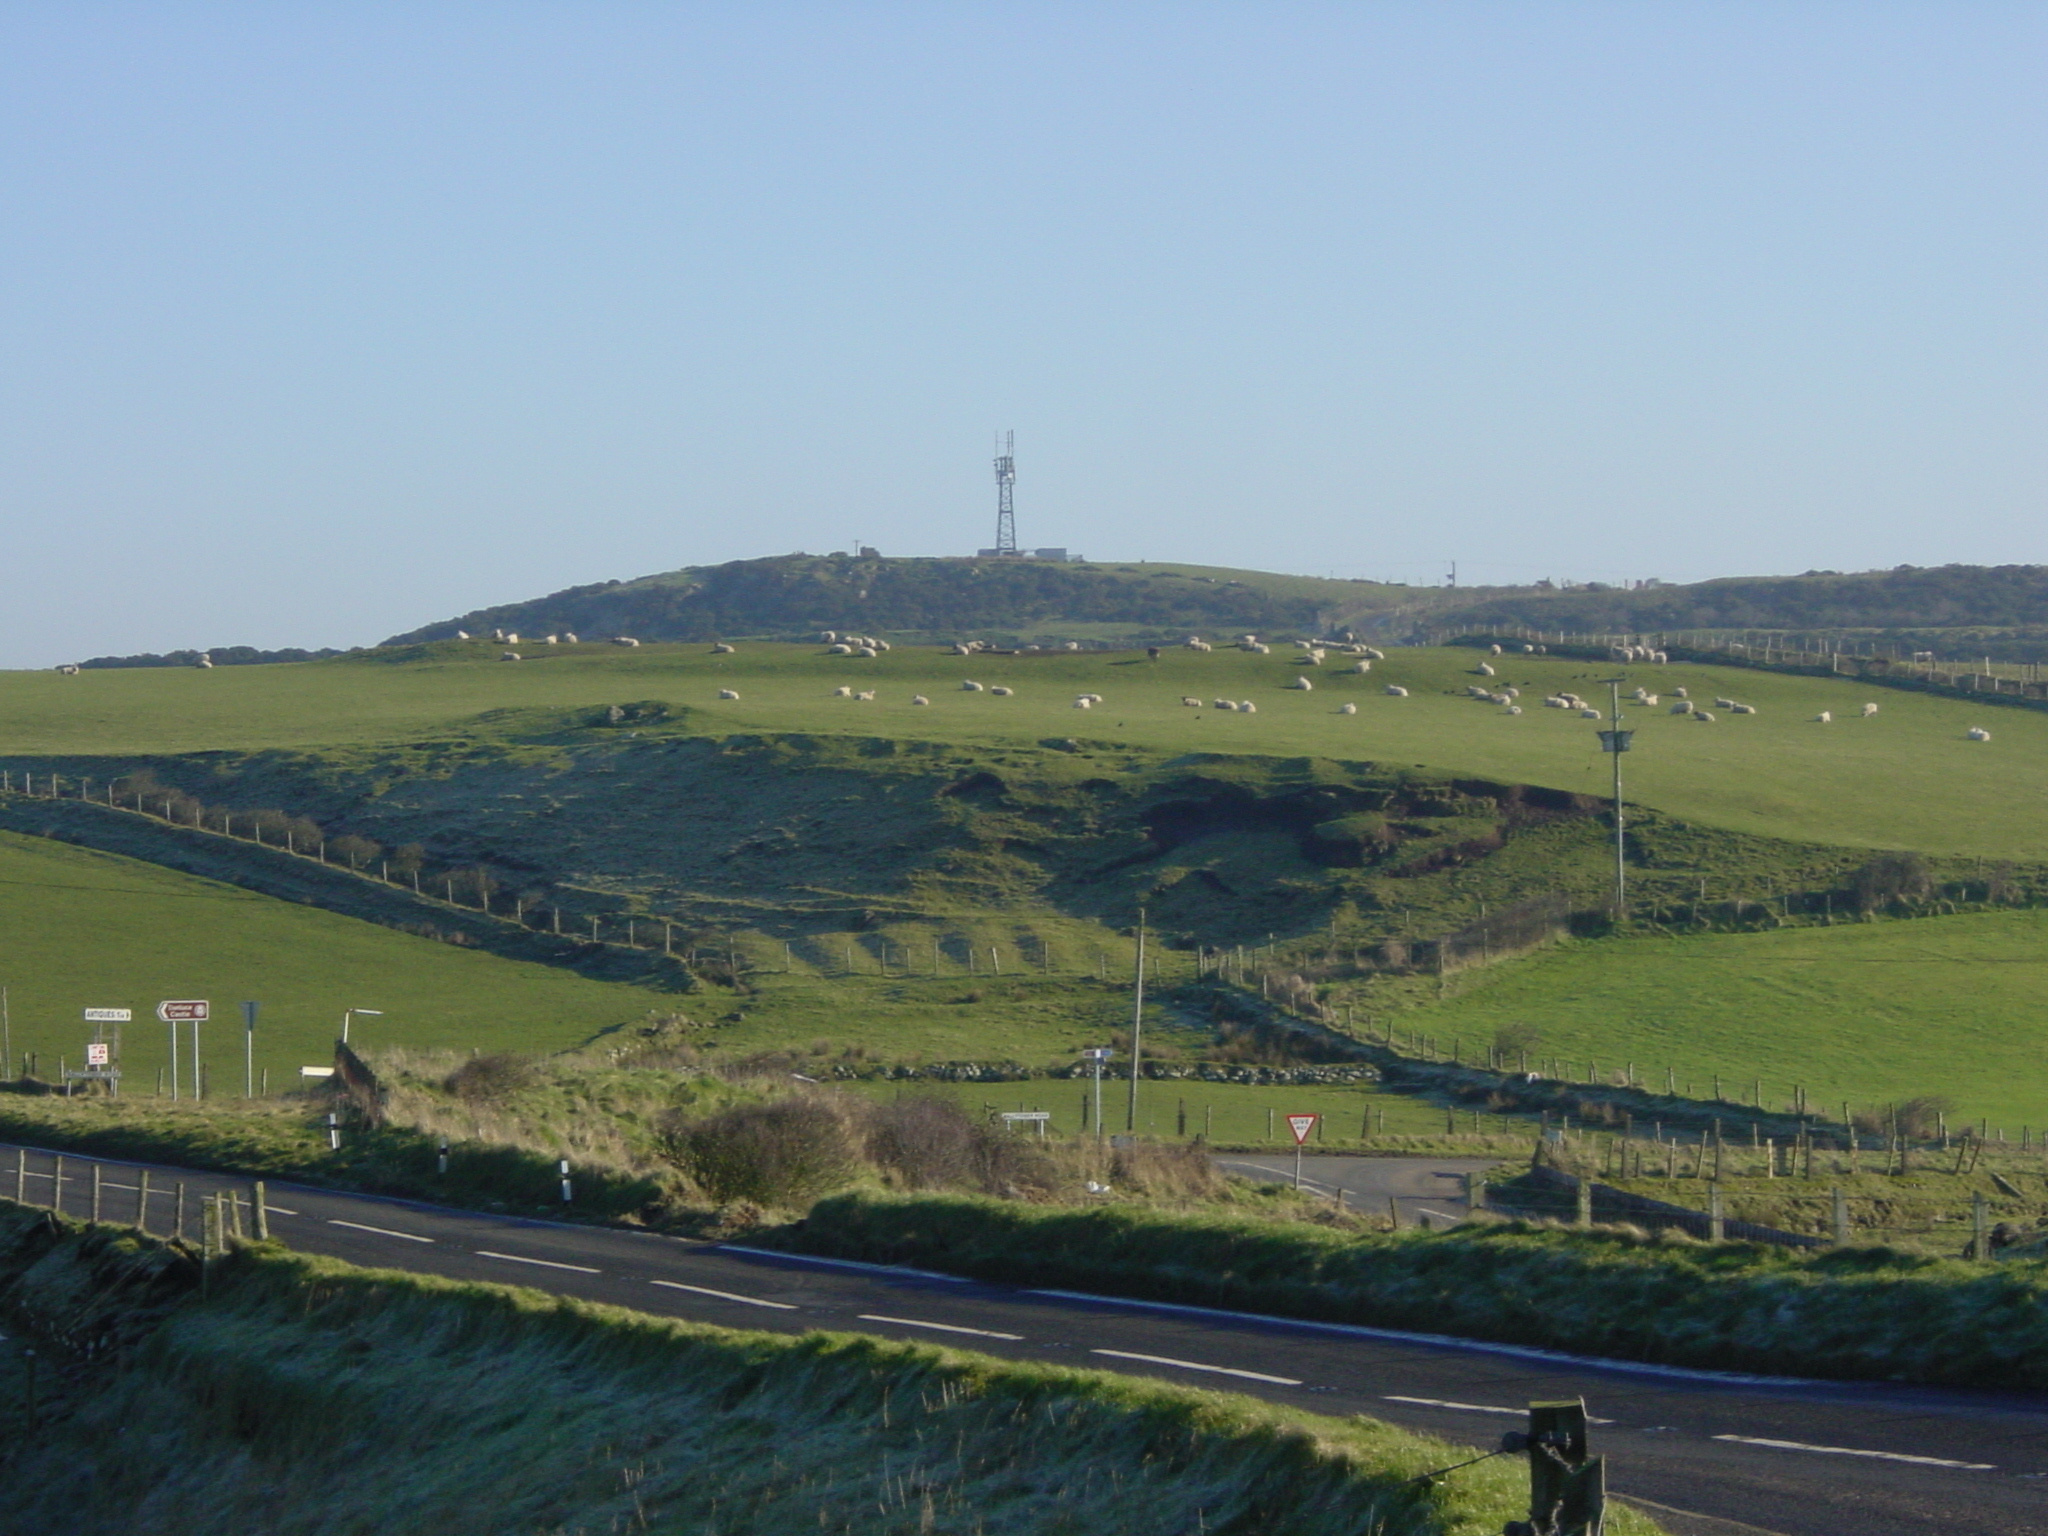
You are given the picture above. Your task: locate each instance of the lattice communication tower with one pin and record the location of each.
(1006, 488)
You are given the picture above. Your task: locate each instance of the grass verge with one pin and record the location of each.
(302, 1395)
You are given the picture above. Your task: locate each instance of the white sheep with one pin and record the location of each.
(1587, 713)
(1650, 701)
(867, 696)
(1084, 702)
(1373, 655)
(1528, 650)
(509, 656)
(1001, 692)
(865, 650)
(839, 650)
(1309, 659)
(722, 649)
(498, 635)
(1514, 709)
(1977, 733)
(570, 638)
(1396, 691)
(462, 634)
(1073, 645)
(1703, 715)
(1742, 709)
(69, 669)
(1247, 707)
(1493, 650)
(1474, 691)
(511, 637)
(828, 636)
(1190, 703)
(970, 686)
(1226, 704)
(1303, 685)
(1868, 710)
(1724, 703)
(1682, 707)
(626, 640)
(1484, 669)
(1347, 709)
(1825, 717)
(727, 693)
(1680, 693)
(962, 650)
(842, 692)
(918, 698)
(1362, 667)
(1513, 693)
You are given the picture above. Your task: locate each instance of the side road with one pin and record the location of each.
(1708, 1455)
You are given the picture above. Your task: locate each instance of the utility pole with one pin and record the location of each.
(1137, 1029)
(1615, 741)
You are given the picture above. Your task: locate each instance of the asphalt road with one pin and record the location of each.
(1426, 1190)
(1709, 1456)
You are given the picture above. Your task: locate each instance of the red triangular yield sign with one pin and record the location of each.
(1301, 1125)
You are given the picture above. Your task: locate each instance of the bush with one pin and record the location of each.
(489, 1079)
(779, 1153)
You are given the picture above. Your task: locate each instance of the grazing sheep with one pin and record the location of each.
(1396, 691)
(462, 634)
(1528, 650)
(970, 686)
(1586, 713)
(866, 650)
(1084, 702)
(1310, 659)
(1724, 703)
(1977, 733)
(1742, 709)
(1073, 645)
(498, 635)
(570, 638)
(1825, 717)
(1513, 693)
(918, 698)
(1493, 650)
(1514, 709)
(1484, 669)
(727, 693)
(962, 650)
(1362, 667)
(1247, 707)
(842, 692)
(1650, 701)
(511, 637)
(1303, 685)
(1373, 655)
(1001, 692)
(1682, 707)
(510, 656)
(1191, 703)
(828, 636)
(720, 649)
(1347, 709)
(839, 650)
(1680, 693)
(1868, 710)
(1704, 715)
(627, 640)
(867, 696)
(1225, 704)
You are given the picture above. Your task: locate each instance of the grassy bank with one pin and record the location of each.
(301, 1395)
(1857, 1312)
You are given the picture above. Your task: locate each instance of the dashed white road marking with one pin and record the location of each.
(410, 1237)
(1845, 1450)
(705, 1290)
(275, 1210)
(918, 1322)
(1196, 1365)
(520, 1258)
(1438, 1402)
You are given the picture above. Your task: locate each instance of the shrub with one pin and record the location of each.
(778, 1153)
(489, 1079)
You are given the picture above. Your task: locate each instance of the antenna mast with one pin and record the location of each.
(1006, 483)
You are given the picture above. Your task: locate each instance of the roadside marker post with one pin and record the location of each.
(1300, 1125)
(568, 1190)
(1567, 1487)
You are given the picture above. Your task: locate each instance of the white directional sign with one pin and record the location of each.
(198, 1010)
(1301, 1125)
(109, 1016)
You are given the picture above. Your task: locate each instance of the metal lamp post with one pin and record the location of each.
(1615, 741)
(368, 1013)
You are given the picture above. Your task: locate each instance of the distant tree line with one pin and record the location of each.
(221, 656)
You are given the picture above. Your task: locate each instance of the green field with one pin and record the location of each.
(1904, 779)
(1873, 1013)
(85, 929)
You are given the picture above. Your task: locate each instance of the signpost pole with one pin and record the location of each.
(198, 1083)
(248, 1050)
(174, 1059)
(1300, 1126)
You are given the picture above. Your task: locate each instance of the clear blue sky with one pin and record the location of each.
(321, 321)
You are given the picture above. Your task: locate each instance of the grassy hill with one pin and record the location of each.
(790, 595)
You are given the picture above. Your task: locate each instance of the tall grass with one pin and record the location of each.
(303, 1396)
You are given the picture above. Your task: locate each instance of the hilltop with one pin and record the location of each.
(790, 596)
